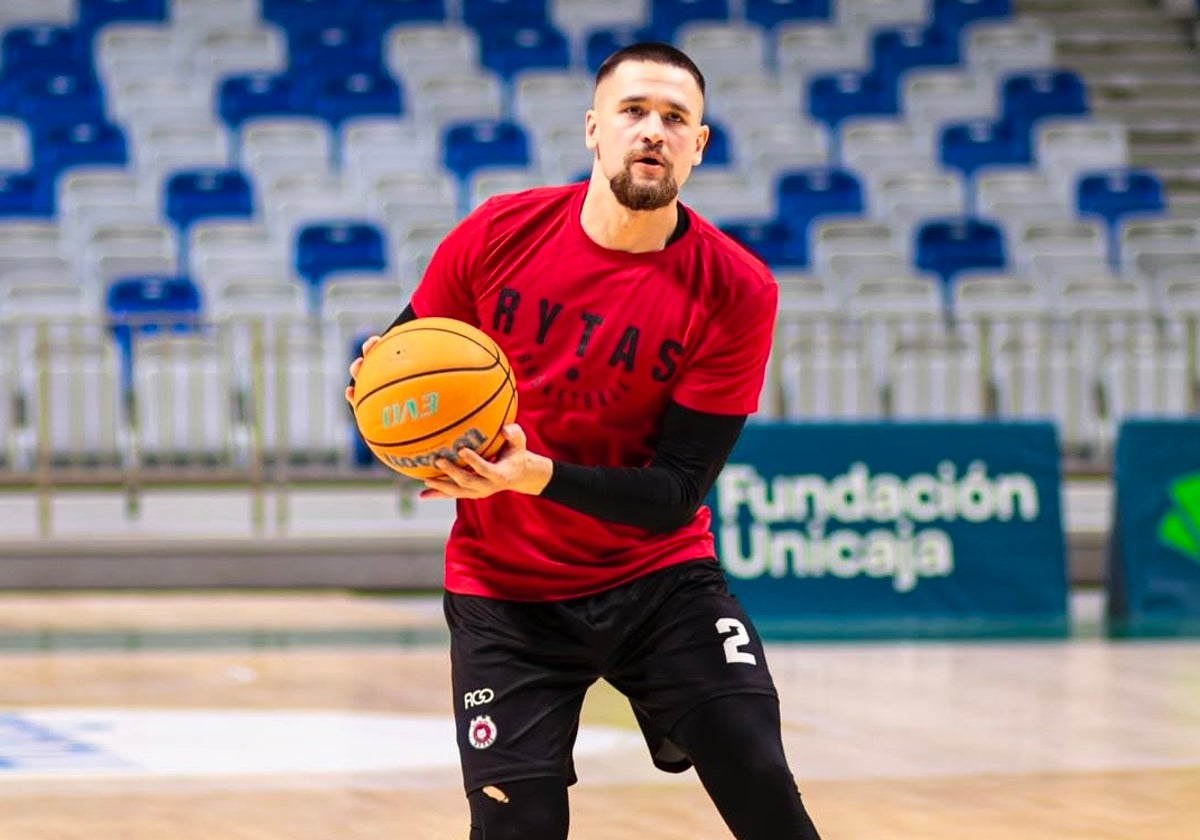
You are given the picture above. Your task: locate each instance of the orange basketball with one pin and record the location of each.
(429, 388)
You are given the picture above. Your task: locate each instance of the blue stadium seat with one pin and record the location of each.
(22, 195)
(468, 146)
(41, 46)
(832, 97)
(482, 15)
(970, 145)
(772, 241)
(149, 304)
(806, 194)
(360, 454)
(337, 49)
(77, 144)
(340, 98)
(294, 16)
(96, 13)
(378, 15)
(80, 143)
(718, 151)
(950, 16)
(205, 193)
(338, 246)
(901, 48)
(948, 246)
(1026, 97)
(666, 16)
(256, 95)
(1114, 193)
(48, 97)
(768, 13)
(601, 43)
(507, 50)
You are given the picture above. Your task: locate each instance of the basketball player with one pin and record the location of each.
(639, 336)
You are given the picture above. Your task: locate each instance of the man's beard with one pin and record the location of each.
(645, 195)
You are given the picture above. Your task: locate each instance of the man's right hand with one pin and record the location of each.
(357, 364)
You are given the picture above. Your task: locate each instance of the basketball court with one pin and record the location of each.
(317, 716)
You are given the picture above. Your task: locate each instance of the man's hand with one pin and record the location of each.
(357, 364)
(516, 469)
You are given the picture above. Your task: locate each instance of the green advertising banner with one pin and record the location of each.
(895, 529)
(1153, 575)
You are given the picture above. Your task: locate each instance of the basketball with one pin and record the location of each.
(429, 388)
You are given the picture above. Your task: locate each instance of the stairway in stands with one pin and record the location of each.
(1142, 67)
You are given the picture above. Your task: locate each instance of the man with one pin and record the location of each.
(639, 335)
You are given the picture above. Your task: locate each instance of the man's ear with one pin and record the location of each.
(589, 129)
(701, 143)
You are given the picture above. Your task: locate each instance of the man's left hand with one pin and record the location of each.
(475, 477)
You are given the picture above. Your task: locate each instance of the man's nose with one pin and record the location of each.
(652, 128)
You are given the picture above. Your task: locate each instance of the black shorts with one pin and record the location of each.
(668, 641)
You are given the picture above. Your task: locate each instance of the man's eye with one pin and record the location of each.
(633, 109)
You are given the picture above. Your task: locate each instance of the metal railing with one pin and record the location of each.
(257, 403)
(254, 403)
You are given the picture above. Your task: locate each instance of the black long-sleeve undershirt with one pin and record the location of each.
(692, 449)
(403, 318)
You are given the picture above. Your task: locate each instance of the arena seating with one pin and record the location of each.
(921, 173)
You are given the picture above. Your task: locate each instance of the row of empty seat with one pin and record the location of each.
(224, 391)
(198, 396)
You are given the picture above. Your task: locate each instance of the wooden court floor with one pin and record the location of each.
(273, 717)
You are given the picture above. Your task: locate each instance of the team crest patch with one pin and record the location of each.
(482, 732)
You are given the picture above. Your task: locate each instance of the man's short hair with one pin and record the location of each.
(653, 51)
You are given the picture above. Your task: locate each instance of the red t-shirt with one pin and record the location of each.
(599, 341)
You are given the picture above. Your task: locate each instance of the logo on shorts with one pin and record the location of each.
(479, 697)
(482, 732)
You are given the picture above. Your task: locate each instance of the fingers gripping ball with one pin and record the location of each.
(429, 388)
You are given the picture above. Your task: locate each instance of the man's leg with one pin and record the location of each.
(533, 809)
(518, 678)
(735, 745)
(695, 670)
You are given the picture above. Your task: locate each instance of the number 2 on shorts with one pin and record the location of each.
(733, 653)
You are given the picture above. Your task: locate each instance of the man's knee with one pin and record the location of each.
(736, 747)
(534, 809)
